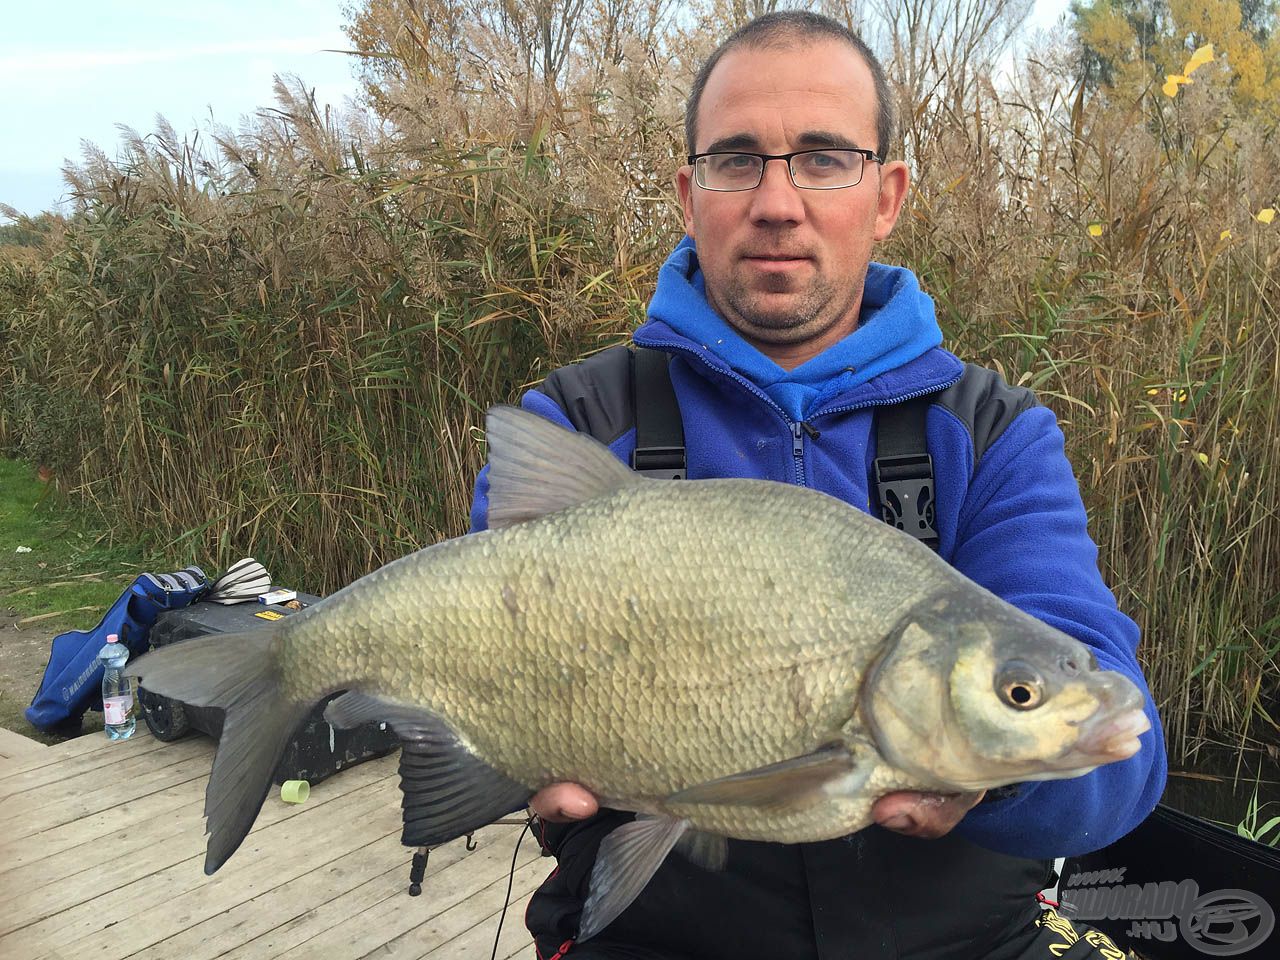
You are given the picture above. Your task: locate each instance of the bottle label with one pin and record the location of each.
(116, 709)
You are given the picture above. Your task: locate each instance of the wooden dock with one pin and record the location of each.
(102, 853)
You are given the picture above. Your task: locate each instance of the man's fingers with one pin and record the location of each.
(563, 802)
(925, 815)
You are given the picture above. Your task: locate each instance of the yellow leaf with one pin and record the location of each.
(1267, 215)
(1200, 58)
(1095, 229)
(1225, 235)
(1203, 458)
(1170, 87)
(1152, 392)
(1182, 396)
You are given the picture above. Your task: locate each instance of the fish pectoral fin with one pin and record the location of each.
(777, 786)
(537, 467)
(448, 790)
(628, 858)
(710, 851)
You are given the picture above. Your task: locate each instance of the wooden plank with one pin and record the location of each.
(311, 930)
(181, 858)
(66, 802)
(156, 905)
(108, 758)
(467, 929)
(57, 752)
(93, 743)
(14, 746)
(104, 757)
(478, 941)
(261, 919)
(356, 935)
(47, 846)
(295, 912)
(109, 865)
(514, 941)
(524, 949)
(284, 853)
(149, 829)
(325, 914)
(135, 819)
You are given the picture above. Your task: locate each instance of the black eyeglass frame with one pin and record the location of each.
(764, 159)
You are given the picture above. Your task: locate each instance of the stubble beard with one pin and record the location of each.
(810, 315)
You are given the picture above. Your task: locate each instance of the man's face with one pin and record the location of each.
(786, 266)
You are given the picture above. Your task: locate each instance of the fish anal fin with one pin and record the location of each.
(448, 790)
(779, 786)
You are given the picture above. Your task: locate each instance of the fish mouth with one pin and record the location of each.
(1115, 738)
(1111, 732)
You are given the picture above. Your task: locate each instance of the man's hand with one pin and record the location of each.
(927, 815)
(563, 802)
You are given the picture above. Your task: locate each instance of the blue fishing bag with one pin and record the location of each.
(72, 680)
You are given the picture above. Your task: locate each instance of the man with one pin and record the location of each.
(785, 337)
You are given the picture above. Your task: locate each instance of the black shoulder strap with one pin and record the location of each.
(617, 388)
(903, 469)
(659, 430)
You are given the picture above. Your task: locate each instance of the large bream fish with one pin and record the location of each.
(729, 658)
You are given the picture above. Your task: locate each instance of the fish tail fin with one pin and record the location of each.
(238, 673)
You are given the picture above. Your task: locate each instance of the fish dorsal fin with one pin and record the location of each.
(780, 786)
(537, 467)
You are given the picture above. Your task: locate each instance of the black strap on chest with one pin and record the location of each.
(659, 430)
(903, 469)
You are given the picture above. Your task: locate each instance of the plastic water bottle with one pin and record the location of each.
(118, 713)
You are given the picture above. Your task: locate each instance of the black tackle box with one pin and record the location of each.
(316, 752)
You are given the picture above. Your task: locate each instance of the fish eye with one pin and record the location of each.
(1019, 686)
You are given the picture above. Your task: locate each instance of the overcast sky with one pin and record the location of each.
(73, 69)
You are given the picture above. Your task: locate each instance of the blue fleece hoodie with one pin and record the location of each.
(896, 325)
(1013, 522)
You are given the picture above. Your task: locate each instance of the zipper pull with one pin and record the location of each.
(798, 429)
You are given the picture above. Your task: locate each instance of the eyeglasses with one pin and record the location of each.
(809, 169)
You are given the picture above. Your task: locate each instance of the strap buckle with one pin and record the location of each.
(905, 487)
(665, 463)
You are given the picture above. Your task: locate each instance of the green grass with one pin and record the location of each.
(76, 567)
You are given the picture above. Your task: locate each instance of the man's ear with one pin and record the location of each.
(894, 181)
(684, 188)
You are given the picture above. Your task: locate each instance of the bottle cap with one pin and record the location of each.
(295, 791)
(113, 638)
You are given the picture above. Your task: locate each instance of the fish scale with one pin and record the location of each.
(671, 681)
(728, 658)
